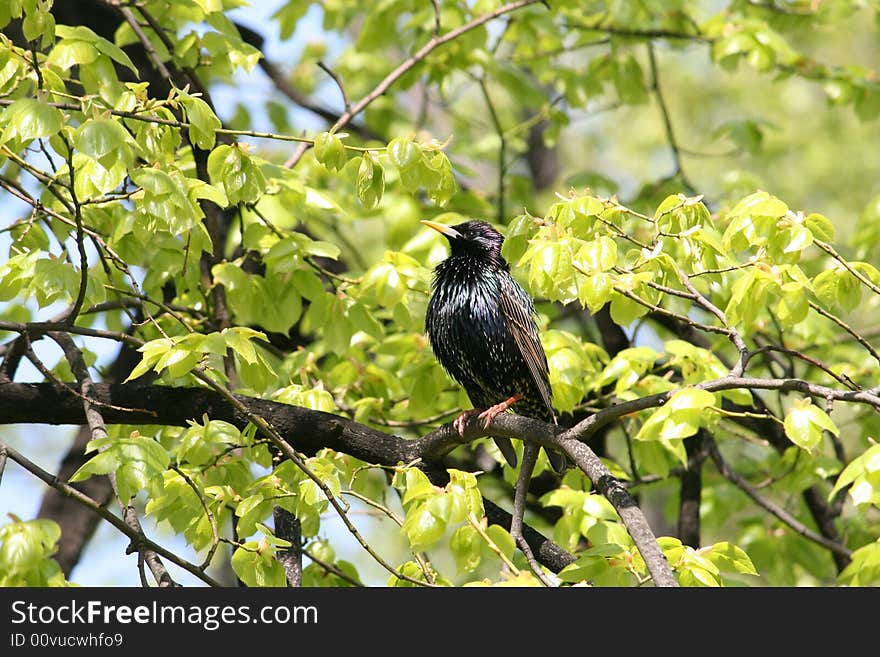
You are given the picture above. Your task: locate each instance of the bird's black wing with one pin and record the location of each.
(517, 307)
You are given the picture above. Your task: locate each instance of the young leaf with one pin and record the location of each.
(370, 181)
(804, 424)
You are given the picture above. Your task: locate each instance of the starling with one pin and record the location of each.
(481, 326)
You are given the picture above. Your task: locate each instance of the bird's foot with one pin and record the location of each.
(493, 411)
(461, 421)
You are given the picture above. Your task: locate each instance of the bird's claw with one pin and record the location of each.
(461, 421)
(488, 415)
(494, 411)
(484, 415)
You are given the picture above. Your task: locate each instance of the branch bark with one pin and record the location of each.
(288, 527)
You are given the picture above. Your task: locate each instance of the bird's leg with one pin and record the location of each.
(490, 413)
(520, 491)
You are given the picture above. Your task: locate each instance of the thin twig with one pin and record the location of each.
(846, 327)
(332, 569)
(410, 62)
(864, 280)
(215, 534)
(667, 121)
(149, 48)
(502, 148)
(338, 82)
(80, 237)
(733, 334)
(520, 492)
(436, 5)
(728, 473)
(474, 522)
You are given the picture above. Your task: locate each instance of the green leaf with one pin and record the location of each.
(793, 305)
(466, 546)
(104, 140)
(233, 169)
(256, 565)
(586, 206)
(837, 288)
(239, 340)
(82, 34)
(68, 53)
(406, 155)
(370, 181)
(422, 528)
(804, 424)
(690, 398)
(729, 558)
(38, 22)
(598, 255)
(414, 483)
(820, 226)
(308, 284)
(53, 279)
(595, 291)
(27, 119)
(502, 539)
(444, 182)
(330, 151)
(864, 569)
(26, 549)
(203, 122)
(322, 249)
(759, 204)
(139, 463)
(679, 418)
(749, 296)
(862, 476)
(624, 311)
(385, 284)
(629, 81)
(152, 351)
(410, 569)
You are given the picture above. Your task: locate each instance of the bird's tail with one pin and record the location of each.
(558, 460)
(507, 450)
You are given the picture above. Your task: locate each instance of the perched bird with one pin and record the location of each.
(481, 326)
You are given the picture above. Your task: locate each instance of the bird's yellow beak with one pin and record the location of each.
(449, 231)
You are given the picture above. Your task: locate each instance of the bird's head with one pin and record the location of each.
(471, 238)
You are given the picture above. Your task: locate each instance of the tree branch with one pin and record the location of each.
(288, 527)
